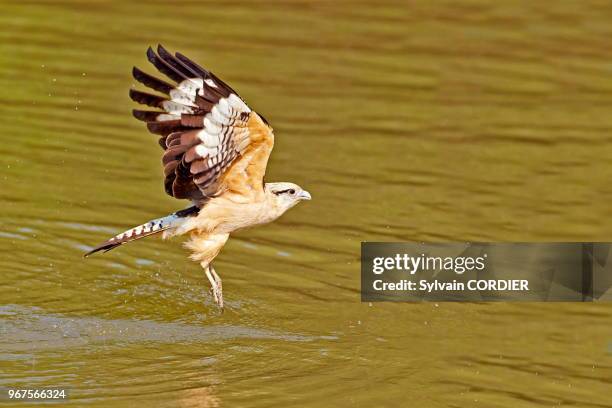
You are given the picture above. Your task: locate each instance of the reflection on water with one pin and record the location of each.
(473, 121)
(26, 328)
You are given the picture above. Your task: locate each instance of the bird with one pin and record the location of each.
(216, 151)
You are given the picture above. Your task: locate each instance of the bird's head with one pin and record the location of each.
(285, 195)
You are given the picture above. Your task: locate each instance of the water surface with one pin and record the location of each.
(405, 120)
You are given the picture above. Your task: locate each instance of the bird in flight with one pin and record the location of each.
(216, 150)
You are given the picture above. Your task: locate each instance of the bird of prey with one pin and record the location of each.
(216, 150)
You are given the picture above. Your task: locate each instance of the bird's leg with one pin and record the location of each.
(219, 286)
(211, 279)
(215, 283)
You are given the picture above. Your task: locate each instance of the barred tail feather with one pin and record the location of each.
(144, 230)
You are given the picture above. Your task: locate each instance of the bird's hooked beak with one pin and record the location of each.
(305, 195)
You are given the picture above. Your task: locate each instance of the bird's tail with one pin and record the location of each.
(149, 228)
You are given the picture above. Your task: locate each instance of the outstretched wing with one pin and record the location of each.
(213, 141)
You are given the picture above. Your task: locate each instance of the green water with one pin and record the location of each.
(405, 120)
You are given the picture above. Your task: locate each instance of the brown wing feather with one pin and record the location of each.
(246, 175)
(213, 141)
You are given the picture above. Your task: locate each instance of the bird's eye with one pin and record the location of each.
(291, 192)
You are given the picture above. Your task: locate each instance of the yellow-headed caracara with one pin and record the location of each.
(215, 154)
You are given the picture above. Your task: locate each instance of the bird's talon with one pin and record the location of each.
(218, 295)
